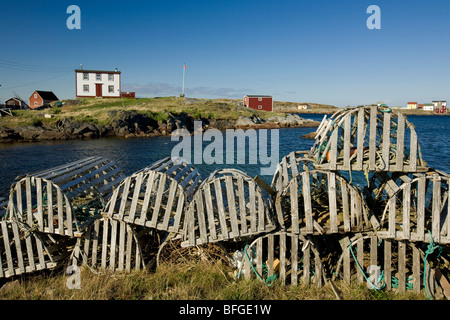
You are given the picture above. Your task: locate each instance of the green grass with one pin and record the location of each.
(96, 110)
(183, 281)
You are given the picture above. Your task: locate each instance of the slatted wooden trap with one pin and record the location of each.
(412, 207)
(285, 257)
(368, 138)
(289, 167)
(24, 251)
(116, 245)
(228, 205)
(155, 196)
(385, 263)
(318, 202)
(61, 199)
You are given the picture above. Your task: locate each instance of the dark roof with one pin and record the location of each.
(47, 95)
(96, 71)
(258, 96)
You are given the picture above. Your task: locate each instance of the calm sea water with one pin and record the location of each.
(134, 154)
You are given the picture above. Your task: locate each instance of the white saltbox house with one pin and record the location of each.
(96, 83)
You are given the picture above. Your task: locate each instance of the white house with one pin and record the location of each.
(428, 107)
(439, 104)
(96, 83)
(411, 105)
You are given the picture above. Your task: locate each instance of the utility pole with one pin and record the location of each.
(182, 87)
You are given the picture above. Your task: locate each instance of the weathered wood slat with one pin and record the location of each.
(386, 141)
(280, 254)
(119, 243)
(400, 142)
(155, 196)
(232, 206)
(400, 261)
(379, 135)
(311, 204)
(373, 137)
(24, 251)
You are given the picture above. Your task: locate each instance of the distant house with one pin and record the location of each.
(304, 106)
(41, 98)
(420, 106)
(258, 102)
(428, 107)
(440, 106)
(97, 84)
(15, 103)
(411, 105)
(127, 94)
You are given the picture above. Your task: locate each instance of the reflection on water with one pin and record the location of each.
(134, 154)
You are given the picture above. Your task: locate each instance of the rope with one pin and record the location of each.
(270, 280)
(430, 249)
(363, 273)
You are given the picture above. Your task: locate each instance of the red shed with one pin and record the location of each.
(259, 102)
(41, 98)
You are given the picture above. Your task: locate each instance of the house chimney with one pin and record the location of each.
(81, 66)
(116, 69)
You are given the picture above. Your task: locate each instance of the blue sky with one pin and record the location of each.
(304, 51)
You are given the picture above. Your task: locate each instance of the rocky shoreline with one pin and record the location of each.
(130, 124)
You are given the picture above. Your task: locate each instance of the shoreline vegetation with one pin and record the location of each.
(148, 117)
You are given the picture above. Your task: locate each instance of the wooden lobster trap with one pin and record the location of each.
(24, 251)
(289, 167)
(321, 202)
(285, 257)
(155, 196)
(116, 246)
(368, 138)
(387, 264)
(411, 207)
(60, 200)
(228, 205)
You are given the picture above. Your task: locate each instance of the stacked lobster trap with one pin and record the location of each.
(47, 210)
(313, 224)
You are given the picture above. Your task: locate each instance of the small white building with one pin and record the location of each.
(428, 107)
(411, 105)
(96, 83)
(304, 106)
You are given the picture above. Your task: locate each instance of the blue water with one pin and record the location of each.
(136, 153)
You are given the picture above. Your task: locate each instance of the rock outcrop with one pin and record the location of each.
(134, 124)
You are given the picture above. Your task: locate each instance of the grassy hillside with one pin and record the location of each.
(96, 110)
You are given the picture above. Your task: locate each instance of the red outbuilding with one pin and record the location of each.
(259, 102)
(41, 98)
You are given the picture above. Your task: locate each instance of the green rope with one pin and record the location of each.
(362, 271)
(270, 280)
(430, 249)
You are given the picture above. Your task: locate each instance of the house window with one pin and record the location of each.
(85, 76)
(259, 99)
(111, 89)
(98, 76)
(86, 88)
(259, 107)
(35, 103)
(35, 95)
(110, 77)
